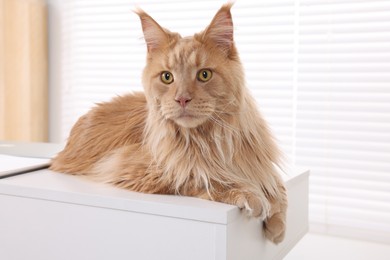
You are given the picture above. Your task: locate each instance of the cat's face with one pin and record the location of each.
(196, 79)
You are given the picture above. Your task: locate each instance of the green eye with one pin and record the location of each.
(166, 77)
(204, 75)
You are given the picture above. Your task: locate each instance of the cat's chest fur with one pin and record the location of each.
(189, 155)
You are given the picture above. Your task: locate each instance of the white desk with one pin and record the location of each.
(47, 215)
(33, 150)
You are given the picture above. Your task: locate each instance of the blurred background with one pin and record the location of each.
(319, 69)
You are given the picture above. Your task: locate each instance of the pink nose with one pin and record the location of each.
(183, 101)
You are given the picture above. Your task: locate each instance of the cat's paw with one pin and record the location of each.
(252, 204)
(275, 228)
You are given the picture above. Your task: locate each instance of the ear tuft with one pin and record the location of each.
(155, 36)
(220, 30)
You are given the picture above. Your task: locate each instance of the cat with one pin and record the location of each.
(194, 131)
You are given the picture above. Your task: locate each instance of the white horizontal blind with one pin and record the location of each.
(103, 55)
(319, 69)
(264, 34)
(343, 115)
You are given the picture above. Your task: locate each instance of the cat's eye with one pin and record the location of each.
(204, 75)
(166, 77)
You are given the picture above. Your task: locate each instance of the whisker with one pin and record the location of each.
(224, 124)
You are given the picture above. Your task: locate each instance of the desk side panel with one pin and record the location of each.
(40, 229)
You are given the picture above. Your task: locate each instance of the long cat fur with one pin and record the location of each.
(215, 145)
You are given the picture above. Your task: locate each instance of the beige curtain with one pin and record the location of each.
(23, 70)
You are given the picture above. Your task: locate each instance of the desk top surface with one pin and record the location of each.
(48, 185)
(34, 150)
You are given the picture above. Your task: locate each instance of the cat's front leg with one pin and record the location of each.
(271, 210)
(256, 204)
(275, 223)
(253, 203)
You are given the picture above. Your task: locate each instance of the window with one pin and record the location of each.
(320, 70)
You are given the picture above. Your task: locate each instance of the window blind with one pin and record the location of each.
(319, 69)
(343, 115)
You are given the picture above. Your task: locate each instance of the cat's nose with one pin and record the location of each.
(183, 101)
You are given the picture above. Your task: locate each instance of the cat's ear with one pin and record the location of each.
(220, 30)
(155, 36)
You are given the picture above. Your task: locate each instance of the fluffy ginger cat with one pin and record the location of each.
(195, 131)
